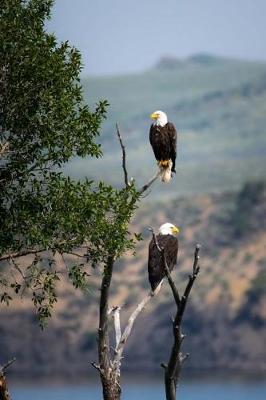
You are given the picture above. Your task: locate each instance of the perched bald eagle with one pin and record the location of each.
(168, 240)
(163, 141)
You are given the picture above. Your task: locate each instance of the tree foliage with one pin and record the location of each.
(43, 124)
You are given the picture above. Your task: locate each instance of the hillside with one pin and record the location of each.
(218, 106)
(226, 318)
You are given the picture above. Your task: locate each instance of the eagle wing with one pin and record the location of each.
(172, 134)
(156, 262)
(163, 142)
(156, 141)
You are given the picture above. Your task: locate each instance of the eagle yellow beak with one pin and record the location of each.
(154, 116)
(175, 230)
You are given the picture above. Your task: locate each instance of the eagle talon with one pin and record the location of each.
(164, 163)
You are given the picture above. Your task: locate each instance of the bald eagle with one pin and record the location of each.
(168, 240)
(163, 141)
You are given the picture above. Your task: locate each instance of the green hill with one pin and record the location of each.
(218, 106)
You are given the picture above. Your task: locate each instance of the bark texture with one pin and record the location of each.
(110, 378)
(4, 393)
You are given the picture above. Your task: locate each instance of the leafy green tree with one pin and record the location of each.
(43, 124)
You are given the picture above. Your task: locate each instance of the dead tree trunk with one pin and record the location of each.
(110, 362)
(109, 358)
(110, 380)
(177, 358)
(4, 393)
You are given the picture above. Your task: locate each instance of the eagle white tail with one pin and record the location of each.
(165, 168)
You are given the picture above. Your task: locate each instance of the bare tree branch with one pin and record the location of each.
(124, 166)
(148, 185)
(145, 187)
(29, 252)
(21, 254)
(97, 367)
(7, 365)
(173, 369)
(127, 331)
(170, 280)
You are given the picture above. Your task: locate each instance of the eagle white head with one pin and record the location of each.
(168, 229)
(160, 118)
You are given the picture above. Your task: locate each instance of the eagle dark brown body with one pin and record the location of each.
(156, 262)
(163, 142)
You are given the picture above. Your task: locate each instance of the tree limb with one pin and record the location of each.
(173, 369)
(127, 331)
(115, 311)
(145, 187)
(124, 166)
(190, 283)
(94, 365)
(7, 365)
(21, 254)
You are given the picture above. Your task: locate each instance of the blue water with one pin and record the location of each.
(148, 391)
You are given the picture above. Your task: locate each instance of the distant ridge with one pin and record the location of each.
(205, 58)
(217, 105)
(168, 62)
(172, 62)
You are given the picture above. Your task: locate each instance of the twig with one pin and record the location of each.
(184, 357)
(96, 366)
(148, 185)
(124, 166)
(5, 366)
(17, 267)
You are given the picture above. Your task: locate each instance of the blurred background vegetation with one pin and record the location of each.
(217, 198)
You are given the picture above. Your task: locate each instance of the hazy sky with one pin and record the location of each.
(117, 36)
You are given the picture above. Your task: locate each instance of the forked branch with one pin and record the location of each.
(173, 369)
(177, 358)
(147, 185)
(127, 331)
